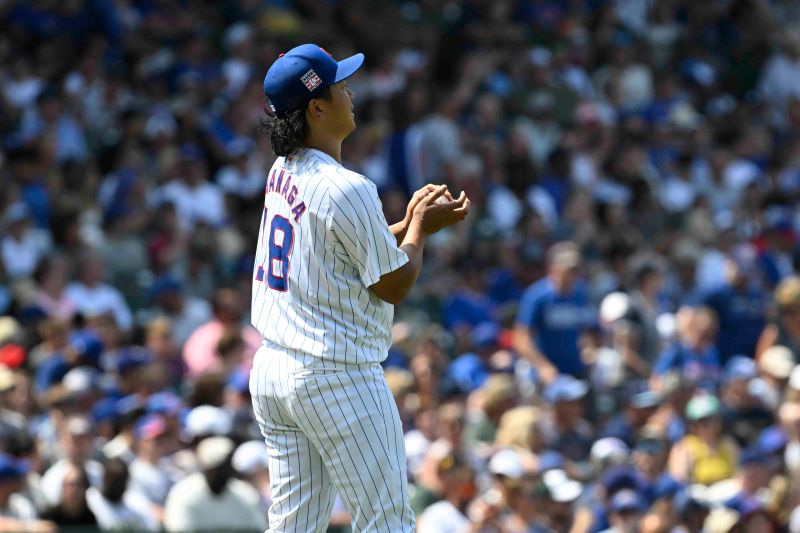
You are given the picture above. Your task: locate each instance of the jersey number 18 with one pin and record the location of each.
(281, 239)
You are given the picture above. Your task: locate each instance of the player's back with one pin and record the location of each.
(322, 243)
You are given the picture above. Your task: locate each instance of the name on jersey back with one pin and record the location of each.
(281, 183)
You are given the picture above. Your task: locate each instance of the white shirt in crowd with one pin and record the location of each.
(93, 301)
(150, 480)
(191, 506)
(204, 203)
(131, 514)
(20, 258)
(53, 479)
(442, 517)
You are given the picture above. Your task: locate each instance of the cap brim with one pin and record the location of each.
(348, 67)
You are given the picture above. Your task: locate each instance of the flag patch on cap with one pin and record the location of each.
(311, 80)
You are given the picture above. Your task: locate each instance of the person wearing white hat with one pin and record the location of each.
(251, 463)
(212, 499)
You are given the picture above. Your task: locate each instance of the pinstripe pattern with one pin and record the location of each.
(319, 394)
(330, 425)
(342, 245)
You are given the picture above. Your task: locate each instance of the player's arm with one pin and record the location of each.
(427, 218)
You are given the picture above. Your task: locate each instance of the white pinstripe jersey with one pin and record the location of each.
(322, 242)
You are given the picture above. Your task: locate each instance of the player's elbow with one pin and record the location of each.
(394, 287)
(390, 293)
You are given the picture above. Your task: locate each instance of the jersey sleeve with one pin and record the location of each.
(356, 218)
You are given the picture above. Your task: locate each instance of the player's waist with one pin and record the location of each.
(339, 360)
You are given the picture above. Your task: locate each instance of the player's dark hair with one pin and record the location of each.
(286, 133)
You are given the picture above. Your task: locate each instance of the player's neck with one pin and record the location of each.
(325, 143)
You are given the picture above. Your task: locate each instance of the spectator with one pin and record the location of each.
(17, 514)
(199, 349)
(23, 246)
(740, 307)
(694, 354)
(458, 488)
(785, 331)
(553, 312)
(565, 429)
(92, 297)
(149, 469)
(626, 508)
(76, 445)
(115, 505)
(705, 455)
(186, 313)
(251, 463)
(73, 510)
(211, 500)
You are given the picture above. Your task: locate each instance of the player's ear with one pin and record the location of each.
(314, 109)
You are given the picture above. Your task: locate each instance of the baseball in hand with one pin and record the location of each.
(441, 200)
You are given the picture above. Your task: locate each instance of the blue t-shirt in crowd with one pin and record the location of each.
(557, 321)
(741, 318)
(701, 366)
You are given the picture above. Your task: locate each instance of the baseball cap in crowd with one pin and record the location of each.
(508, 463)
(165, 284)
(150, 427)
(777, 361)
(485, 334)
(12, 468)
(565, 388)
(132, 357)
(561, 487)
(86, 345)
(627, 500)
(105, 409)
(758, 455)
(78, 425)
(13, 355)
(666, 487)
(213, 452)
(703, 406)
(250, 457)
(164, 403)
(609, 450)
(739, 367)
(207, 420)
(772, 440)
(302, 73)
(81, 380)
(720, 520)
(7, 379)
(794, 378)
(550, 460)
(619, 478)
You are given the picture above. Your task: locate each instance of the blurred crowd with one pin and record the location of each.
(610, 342)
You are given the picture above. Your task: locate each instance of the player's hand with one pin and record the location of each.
(437, 210)
(417, 198)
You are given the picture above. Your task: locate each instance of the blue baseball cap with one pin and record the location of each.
(164, 403)
(628, 500)
(12, 468)
(739, 367)
(565, 388)
(302, 73)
